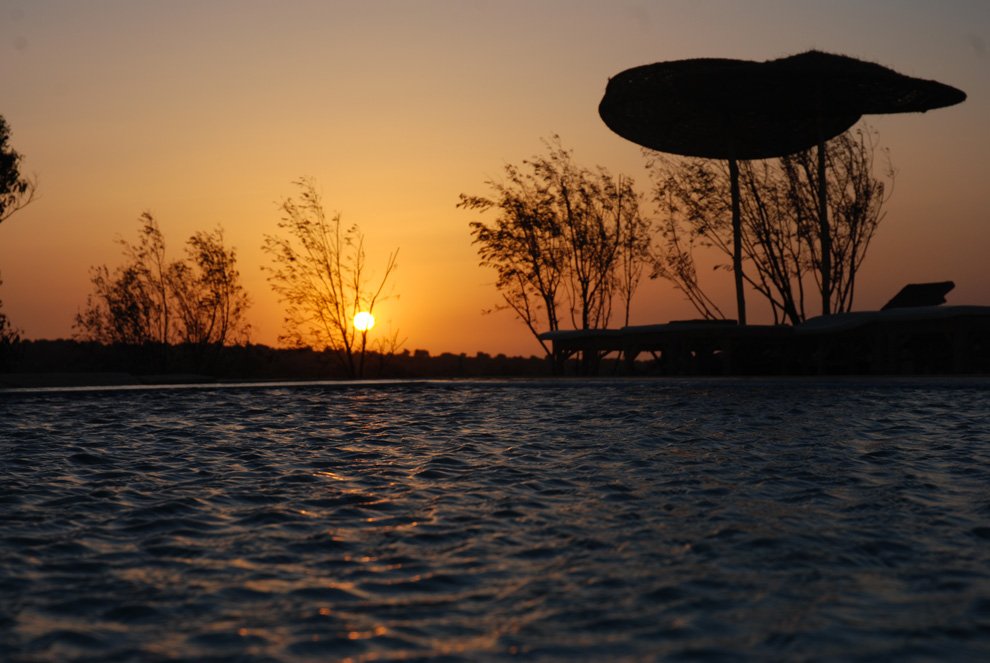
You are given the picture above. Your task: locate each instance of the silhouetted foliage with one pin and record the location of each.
(9, 335)
(780, 222)
(209, 300)
(566, 238)
(39, 363)
(152, 300)
(15, 191)
(318, 271)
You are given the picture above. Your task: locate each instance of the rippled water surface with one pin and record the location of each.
(479, 520)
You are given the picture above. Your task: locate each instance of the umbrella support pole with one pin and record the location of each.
(825, 232)
(737, 241)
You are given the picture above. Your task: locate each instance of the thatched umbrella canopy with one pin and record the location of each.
(825, 83)
(713, 108)
(740, 109)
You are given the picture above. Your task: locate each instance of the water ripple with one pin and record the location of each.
(681, 519)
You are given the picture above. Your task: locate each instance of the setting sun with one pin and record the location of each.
(364, 321)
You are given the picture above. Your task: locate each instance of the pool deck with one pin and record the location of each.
(902, 341)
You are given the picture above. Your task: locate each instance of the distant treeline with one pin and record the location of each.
(158, 363)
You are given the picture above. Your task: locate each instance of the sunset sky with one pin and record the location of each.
(204, 112)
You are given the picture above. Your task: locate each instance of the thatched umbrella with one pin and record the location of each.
(740, 109)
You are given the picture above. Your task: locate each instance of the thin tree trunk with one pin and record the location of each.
(826, 236)
(737, 241)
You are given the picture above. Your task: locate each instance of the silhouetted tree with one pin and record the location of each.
(318, 271)
(131, 304)
(120, 310)
(566, 237)
(15, 191)
(525, 246)
(780, 226)
(9, 335)
(209, 300)
(152, 300)
(635, 244)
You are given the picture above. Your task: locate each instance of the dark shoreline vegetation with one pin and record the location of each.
(54, 363)
(938, 341)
